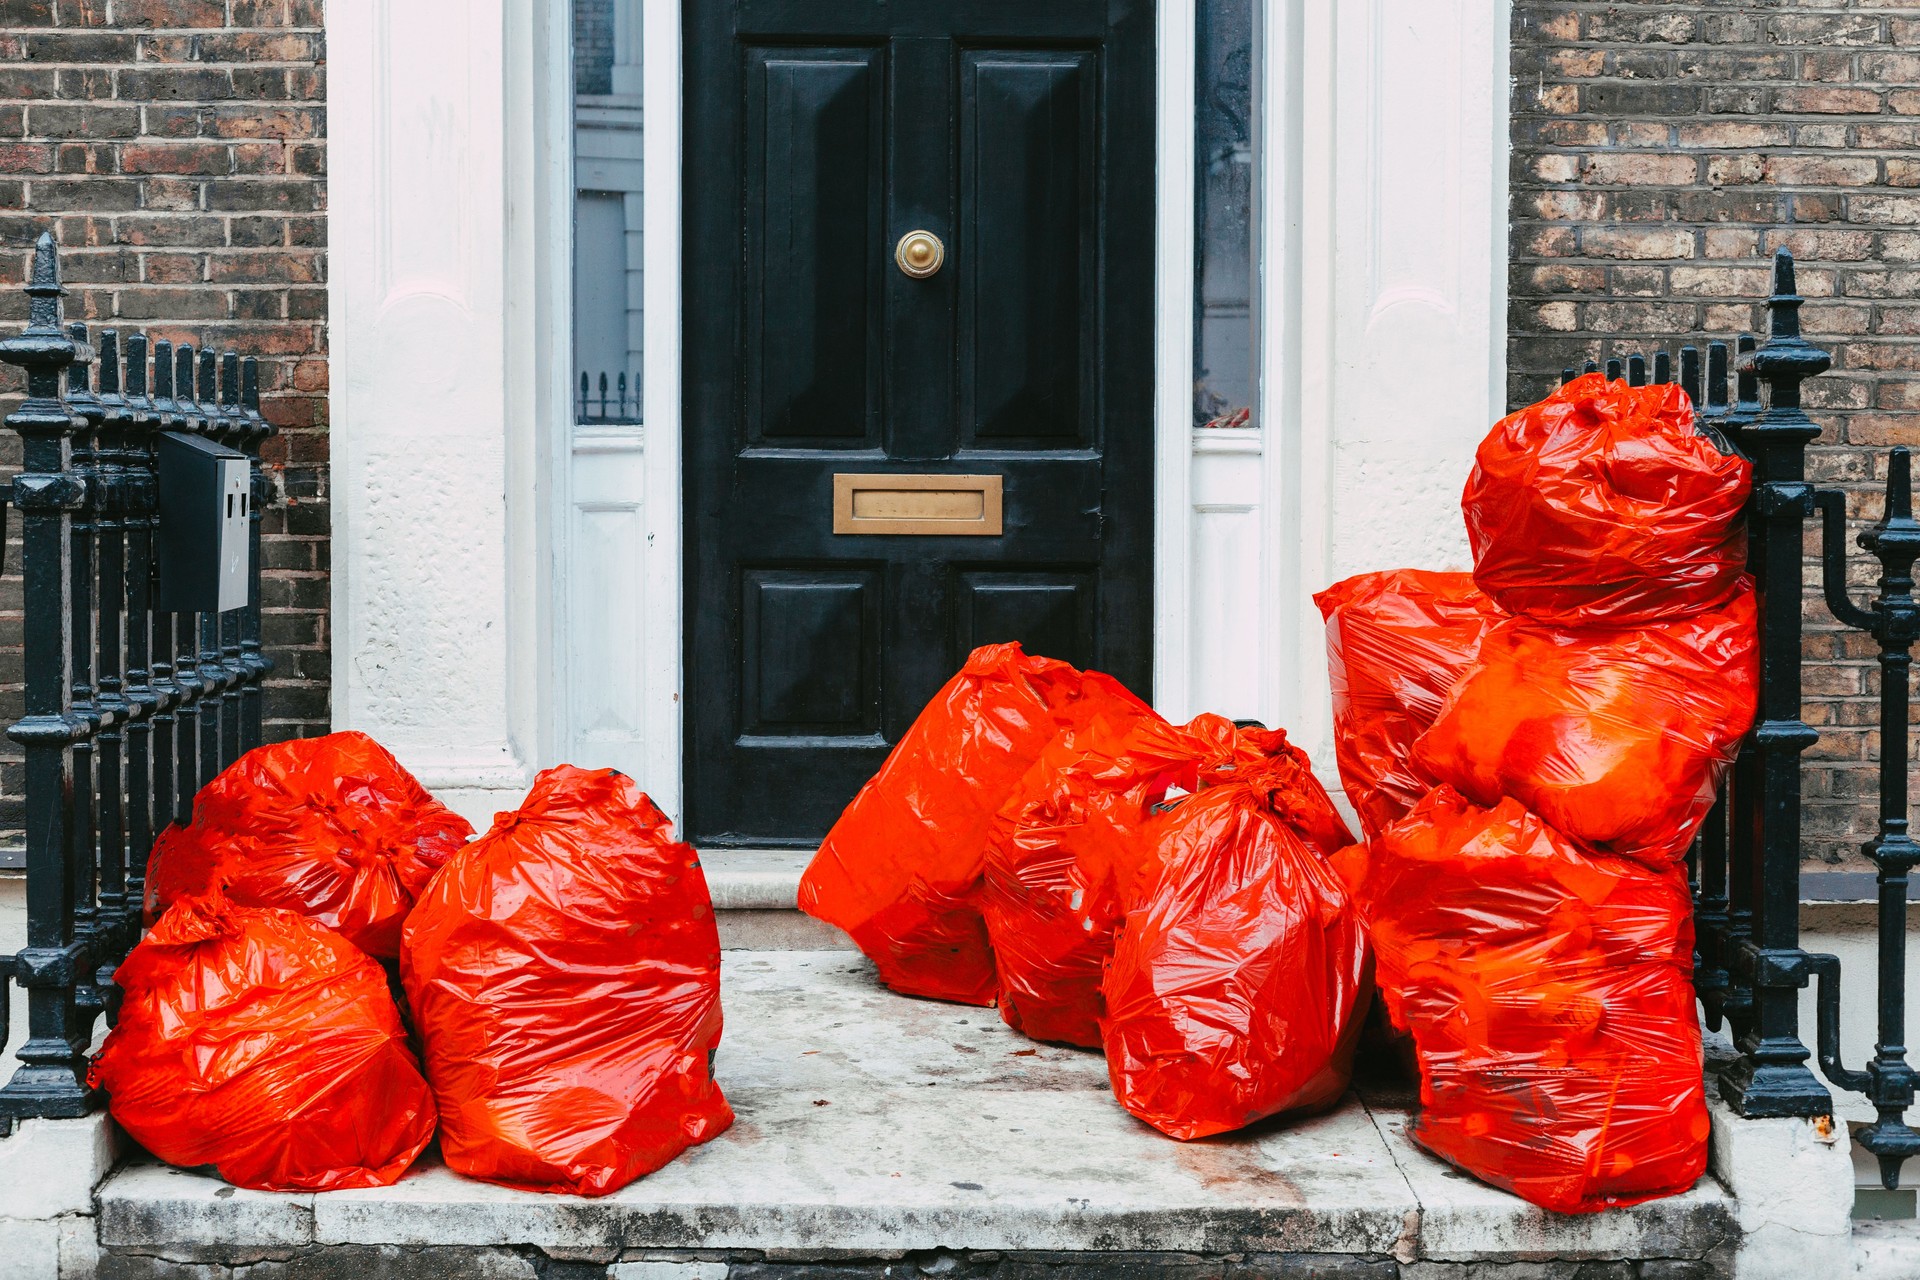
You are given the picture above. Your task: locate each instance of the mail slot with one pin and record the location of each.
(917, 506)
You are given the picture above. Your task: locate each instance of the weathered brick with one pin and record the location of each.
(173, 268)
(1620, 242)
(58, 120)
(1626, 99)
(177, 84)
(1580, 206)
(1729, 242)
(1827, 101)
(1736, 170)
(1823, 170)
(97, 194)
(1629, 168)
(203, 158)
(236, 196)
(170, 13)
(1734, 133)
(1721, 282)
(284, 123)
(1831, 246)
(1886, 211)
(1826, 29)
(266, 268)
(25, 157)
(1628, 25)
(1638, 282)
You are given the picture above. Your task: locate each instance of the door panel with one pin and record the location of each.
(813, 368)
(805, 669)
(1027, 158)
(817, 134)
(1047, 612)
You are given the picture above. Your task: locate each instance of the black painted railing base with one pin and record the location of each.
(128, 710)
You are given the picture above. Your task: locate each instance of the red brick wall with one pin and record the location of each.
(1661, 152)
(177, 148)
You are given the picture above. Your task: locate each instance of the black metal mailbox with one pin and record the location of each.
(205, 496)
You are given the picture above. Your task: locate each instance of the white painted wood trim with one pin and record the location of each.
(1173, 362)
(1394, 366)
(662, 652)
(542, 180)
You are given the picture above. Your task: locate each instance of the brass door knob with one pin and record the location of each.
(919, 254)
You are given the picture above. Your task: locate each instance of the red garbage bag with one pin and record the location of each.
(332, 827)
(1066, 849)
(900, 871)
(1550, 997)
(1239, 982)
(1616, 738)
(259, 1042)
(564, 974)
(1602, 504)
(1396, 642)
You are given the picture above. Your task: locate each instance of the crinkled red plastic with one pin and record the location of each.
(1616, 737)
(1602, 504)
(900, 871)
(331, 827)
(1065, 853)
(564, 974)
(1239, 983)
(261, 1043)
(1550, 997)
(1396, 643)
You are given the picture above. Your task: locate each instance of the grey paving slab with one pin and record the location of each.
(814, 1019)
(1465, 1220)
(888, 1169)
(874, 1123)
(147, 1203)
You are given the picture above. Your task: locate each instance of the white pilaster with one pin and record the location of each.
(432, 651)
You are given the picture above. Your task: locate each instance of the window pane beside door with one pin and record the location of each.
(1223, 374)
(606, 210)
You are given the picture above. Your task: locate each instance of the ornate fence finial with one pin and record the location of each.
(41, 348)
(1787, 359)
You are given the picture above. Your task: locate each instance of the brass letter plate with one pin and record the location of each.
(917, 506)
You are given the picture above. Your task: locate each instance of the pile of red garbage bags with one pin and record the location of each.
(260, 1031)
(1041, 839)
(1531, 750)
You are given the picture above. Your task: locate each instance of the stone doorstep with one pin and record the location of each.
(756, 902)
(871, 1124)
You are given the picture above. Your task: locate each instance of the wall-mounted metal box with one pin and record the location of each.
(203, 550)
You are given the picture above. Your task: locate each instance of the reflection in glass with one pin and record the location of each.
(606, 210)
(1223, 373)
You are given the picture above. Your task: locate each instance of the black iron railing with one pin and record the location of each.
(1749, 967)
(607, 400)
(128, 711)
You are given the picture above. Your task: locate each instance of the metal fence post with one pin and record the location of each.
(1771, 1078)
(51, 1080)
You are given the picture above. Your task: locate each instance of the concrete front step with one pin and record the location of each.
(873, 1126)
(755, 900)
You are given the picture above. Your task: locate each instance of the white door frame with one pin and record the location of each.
(453, 470)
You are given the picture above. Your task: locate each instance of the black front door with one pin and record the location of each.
(919, 349)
